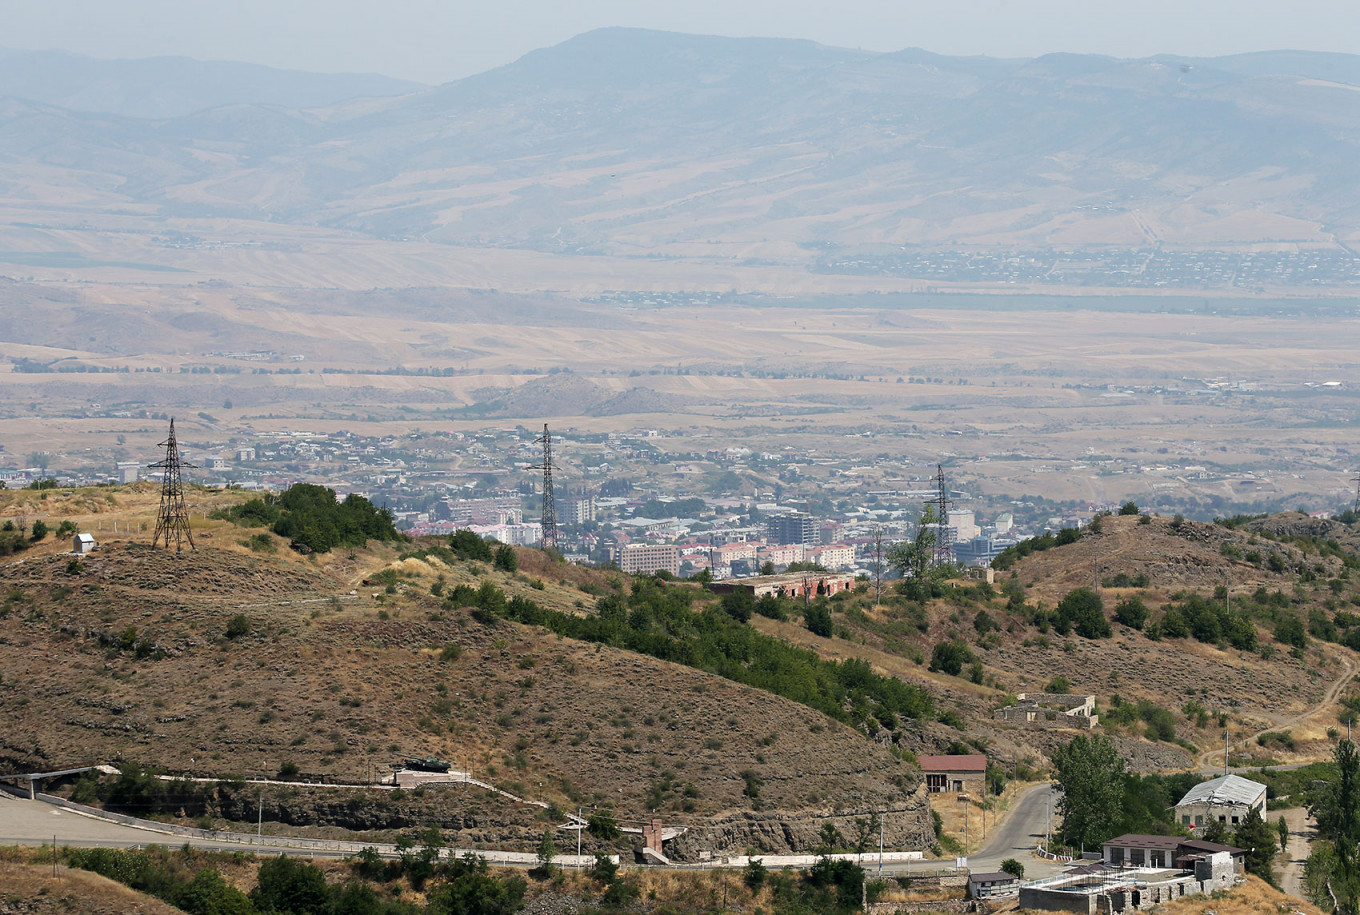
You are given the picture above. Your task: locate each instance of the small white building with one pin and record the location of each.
(1227, 799)
(83, 543)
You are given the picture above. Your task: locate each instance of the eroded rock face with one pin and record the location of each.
(906, 825)
(470, 817)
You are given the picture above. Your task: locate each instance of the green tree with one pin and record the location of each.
(738, 604)
(467, 545)
(818, 619)
(1336, 810)
(472, 890)
(755, 875)
(1090, 772)
(1131, 612)
(603, 826)
(209, 894)
(1014, 868)
(506, 560)
(949, 657)
(1129, 508)
(914, 559)
(1084, 611)
(767, 568)
(288, 885)
(1216, 831)
(604, 869)
(1256, 837)
(547, 851)
(1289, 631)
(39, 530)
(1282, 831)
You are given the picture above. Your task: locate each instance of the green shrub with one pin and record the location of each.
(1131, 612)
(1084, 611)
(949, 657)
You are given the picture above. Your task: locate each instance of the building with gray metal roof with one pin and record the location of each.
(1228, 799)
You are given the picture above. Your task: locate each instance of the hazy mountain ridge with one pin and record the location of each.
(631, 142)
(169, 87)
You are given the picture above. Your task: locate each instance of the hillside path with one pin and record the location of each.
(1205, 761)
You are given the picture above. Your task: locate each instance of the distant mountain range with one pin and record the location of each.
(170, 87)
(638, 143)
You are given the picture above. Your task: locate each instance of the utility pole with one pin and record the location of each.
(1225, 751)
(259, 826)
(1048, 824)
(578, 837)
(881, 817)
(878, 563)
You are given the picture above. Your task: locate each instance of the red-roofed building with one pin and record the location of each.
(962, 774)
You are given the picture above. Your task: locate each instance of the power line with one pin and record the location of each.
(173, 519)
(548, 537)
(944, 550)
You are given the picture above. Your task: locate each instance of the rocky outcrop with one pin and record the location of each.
(906, 825)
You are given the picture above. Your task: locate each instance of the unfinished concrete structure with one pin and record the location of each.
(790, 584)
(1137, 872)
(1052, 710)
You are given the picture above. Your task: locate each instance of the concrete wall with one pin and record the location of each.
(954, 906)
(1055, 901)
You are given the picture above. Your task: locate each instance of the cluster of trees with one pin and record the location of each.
(1045, 541)
(1333, 868)
(691, 507)
(1207, 621)
(286, 886)
(469, 546)
(661, 622)
(311, 518)
(1101, 800)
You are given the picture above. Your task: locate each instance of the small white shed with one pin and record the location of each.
(84, 543)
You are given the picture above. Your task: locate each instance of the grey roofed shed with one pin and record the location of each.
(1225, 791)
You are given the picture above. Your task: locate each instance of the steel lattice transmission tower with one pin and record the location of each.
(173, 520)
(548, 540)
(1355, 507)
(944, 550)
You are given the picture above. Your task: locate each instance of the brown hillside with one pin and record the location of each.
(1190, 558)
(34, 890)
(123, 657)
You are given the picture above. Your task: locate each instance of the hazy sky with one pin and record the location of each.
(439, 40)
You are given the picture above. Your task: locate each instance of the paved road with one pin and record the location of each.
(1017, 835)
(24, 822)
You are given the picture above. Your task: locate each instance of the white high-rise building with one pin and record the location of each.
(961, 525)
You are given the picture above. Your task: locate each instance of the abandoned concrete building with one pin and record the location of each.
(789, 584)
(1227, 799)
(1052, 710)
(1138, 872)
